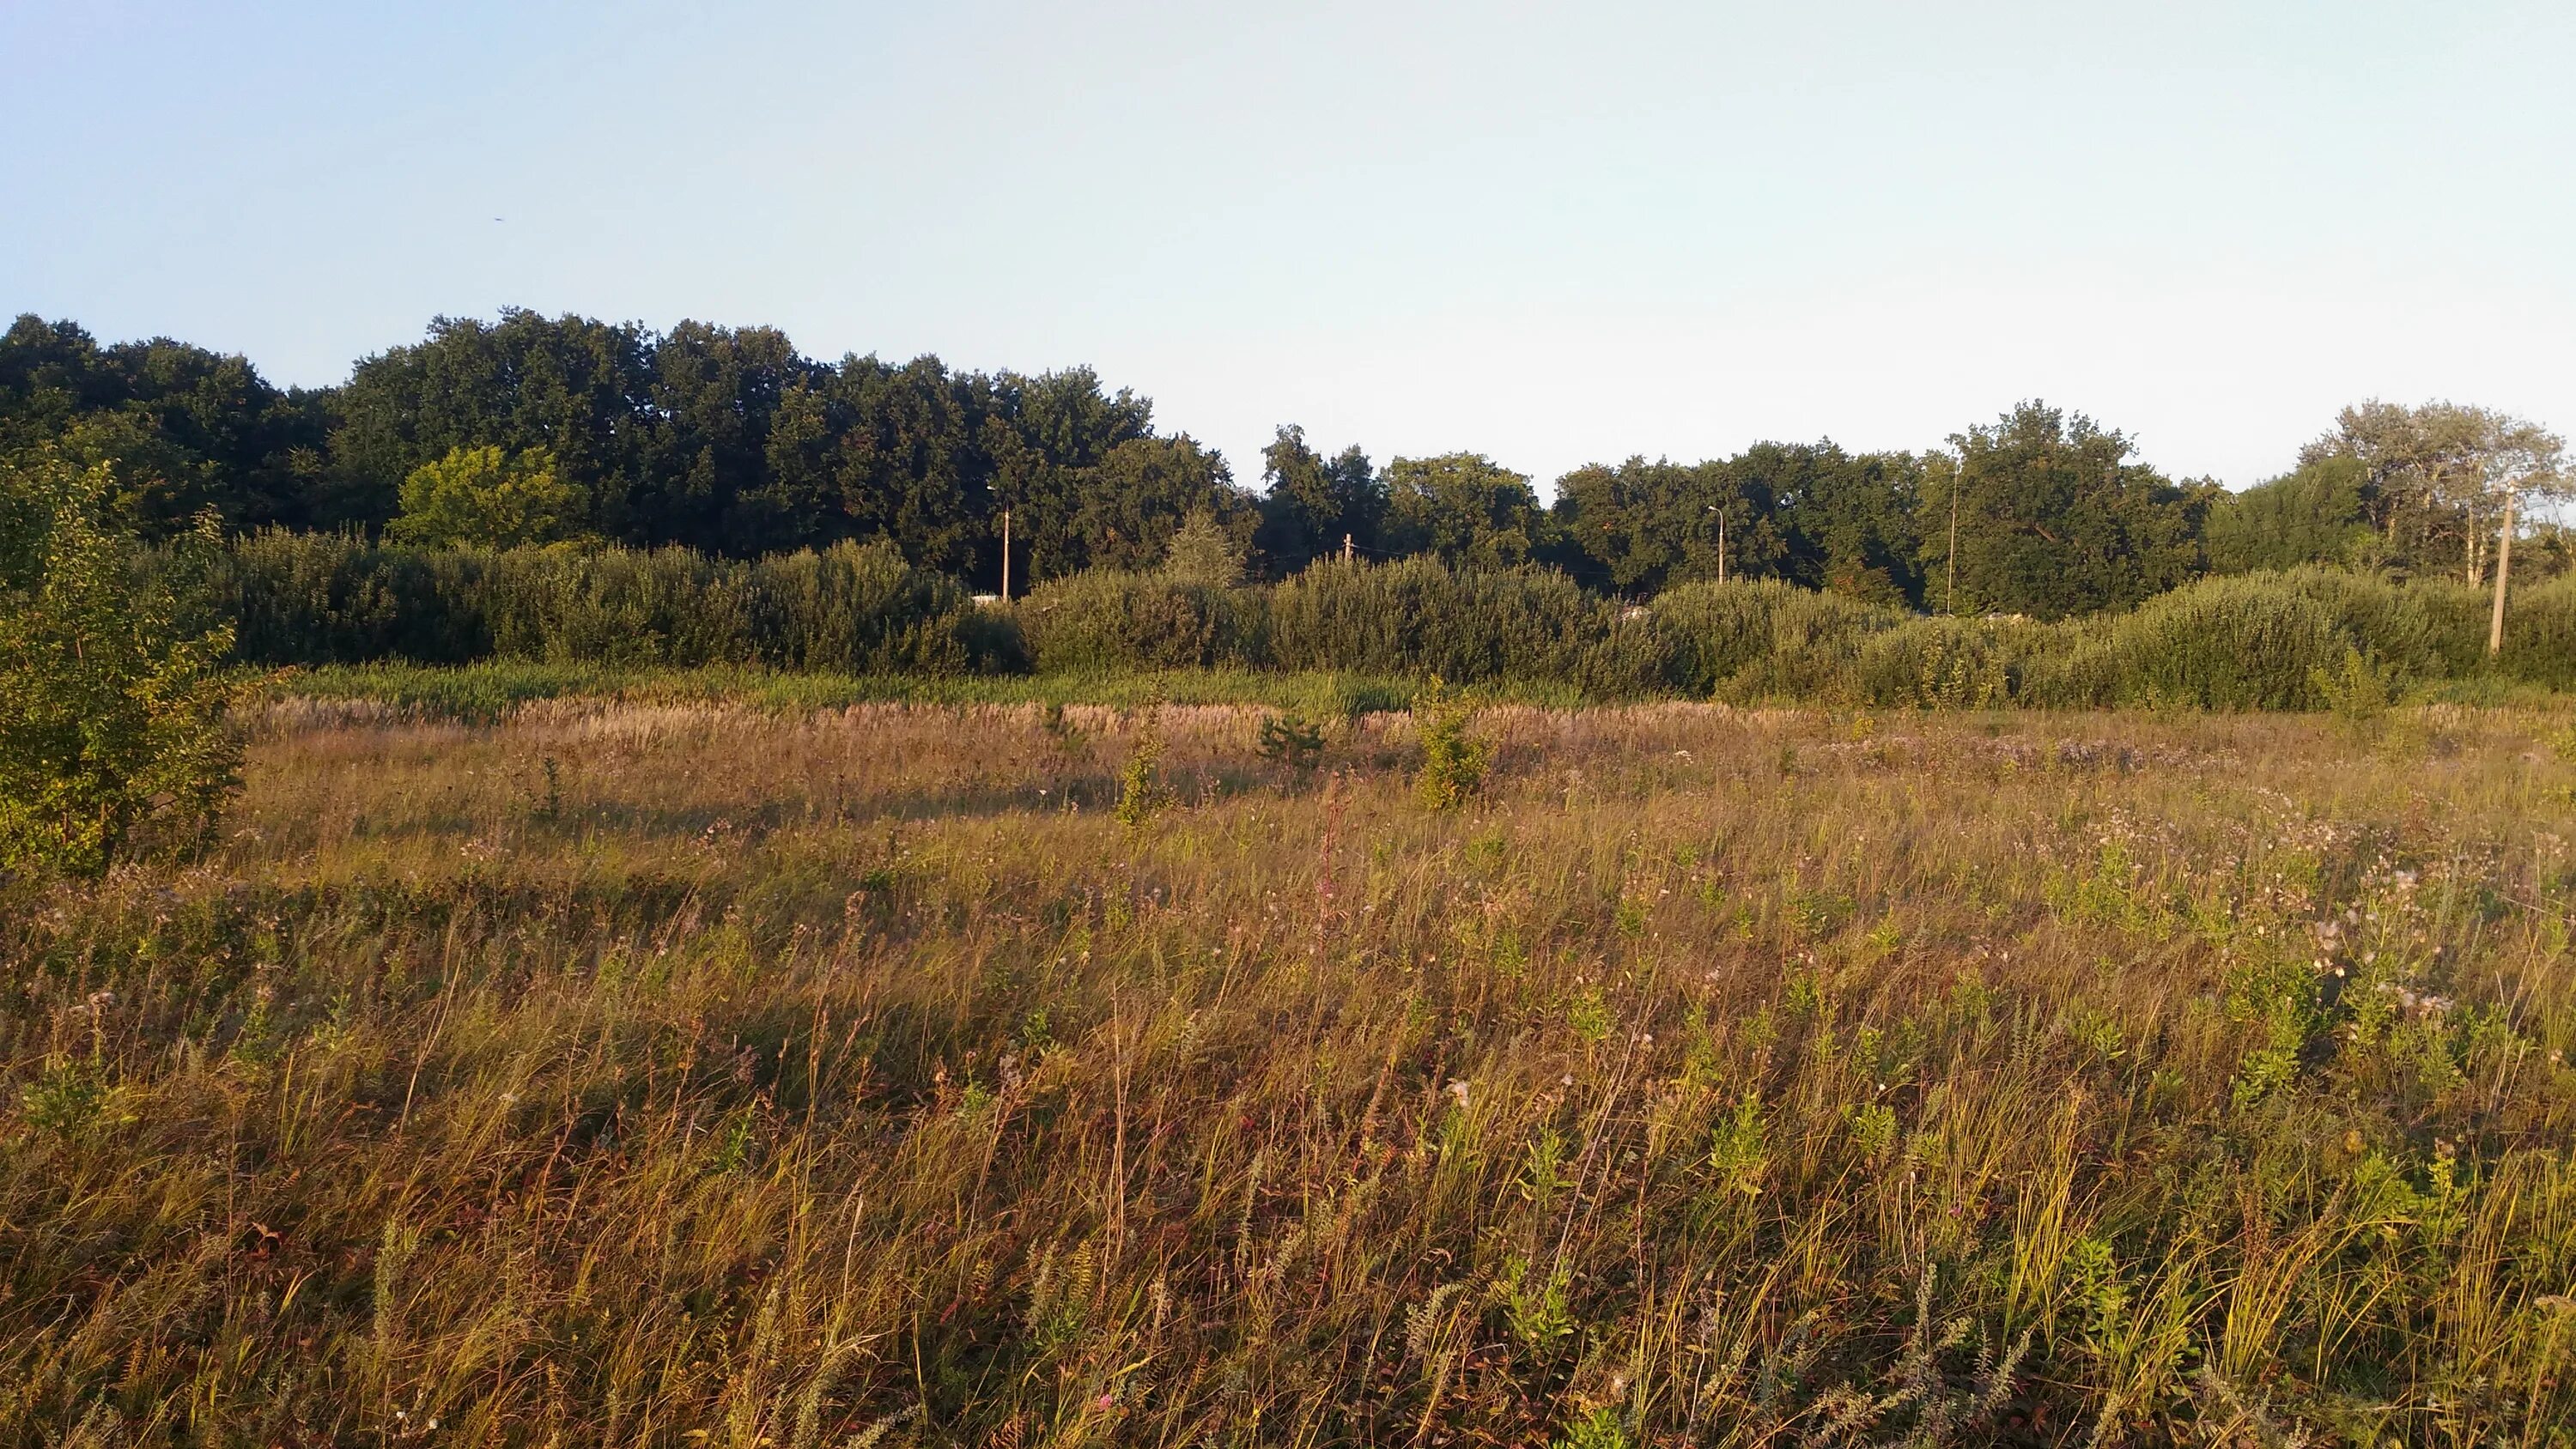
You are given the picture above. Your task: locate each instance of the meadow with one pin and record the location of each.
(826, 1071)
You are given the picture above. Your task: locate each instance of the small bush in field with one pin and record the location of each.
(1291, 740)
(2357, 691)
(1453, 764)
(1142, 795)
(112, 706)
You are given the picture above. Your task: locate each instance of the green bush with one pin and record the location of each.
(2540, 634)
(1418, 617)
(1947, 663)
(112, 701)
(1453, 762)
(2247, 641)
(325, 598)
(1768, 638)
(1108, 620)
(2422, 630)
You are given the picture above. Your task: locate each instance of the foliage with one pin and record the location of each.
(1106, 619)
(112, 702)
(324, 598)
(1465, 510)
(1292, 740)
(2244, 642)
(2053, 519)
(482, 497)
(1203, 553)
(1142, 792)
(1453, 762)
(2358, 691)
(2313, 516)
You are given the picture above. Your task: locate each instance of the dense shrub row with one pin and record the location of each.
(307, 598)
(2247, 641)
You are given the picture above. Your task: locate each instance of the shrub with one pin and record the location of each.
(112, 730)
(1142, 794)
(2540, 634)
(1420, 618)
(2250, 641)
(2358, 690)
(1453, 764)
(1768, 638)
(1291, 740)
(2423, 630)
(329, 598)
(1946, 663)
(1104, 619)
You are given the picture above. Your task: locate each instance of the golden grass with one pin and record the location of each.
(695, 1074)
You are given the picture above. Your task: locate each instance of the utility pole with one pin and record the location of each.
(2504, 562)
(1346, 548)
(1721, 545)
(1950, 587)
(1006, 555)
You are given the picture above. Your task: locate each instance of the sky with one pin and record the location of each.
(1552, 234)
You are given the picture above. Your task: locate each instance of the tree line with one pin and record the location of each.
(534, 430)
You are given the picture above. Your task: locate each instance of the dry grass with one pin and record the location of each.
(700, 1075)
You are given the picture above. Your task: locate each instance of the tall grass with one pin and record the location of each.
(687, 1073)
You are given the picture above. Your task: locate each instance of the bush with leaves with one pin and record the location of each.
(488, 497)
(112, 701)
(1453, 762)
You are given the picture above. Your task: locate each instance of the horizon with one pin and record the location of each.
(1552, 241)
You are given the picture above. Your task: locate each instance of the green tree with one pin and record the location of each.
(2439, 477)
(1311, 503)
(481, 496)
(2054, 520)
(112, 702)
(1465, 508)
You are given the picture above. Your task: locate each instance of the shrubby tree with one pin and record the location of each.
(480, 496)
(112, 702)
(2314, 515)
(1203, 553)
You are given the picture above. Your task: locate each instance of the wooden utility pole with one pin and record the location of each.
(1346, 548)
(2504, 563)
(1721, 545)
(1006, 555)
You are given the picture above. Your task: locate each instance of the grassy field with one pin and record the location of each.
(659, 1068)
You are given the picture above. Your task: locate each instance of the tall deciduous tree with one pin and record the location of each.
(1310, 503)
(1464, 507)
(2055, 520)
(2438, 476)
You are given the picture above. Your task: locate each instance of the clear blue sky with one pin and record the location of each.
(1553, 234)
